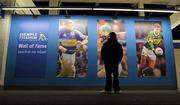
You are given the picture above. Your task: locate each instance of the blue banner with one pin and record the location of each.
(32, 50)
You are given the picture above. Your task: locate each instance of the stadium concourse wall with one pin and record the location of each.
(47, 77)
(177, 61)
(5, 24)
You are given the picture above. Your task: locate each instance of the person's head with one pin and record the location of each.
(68, 24)
(157, 28)
(112, 35)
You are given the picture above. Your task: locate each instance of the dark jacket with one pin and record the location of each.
(112, 52)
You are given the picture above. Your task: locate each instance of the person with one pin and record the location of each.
(112, 54)
(103, 35)
(153, 40)
(69, 40)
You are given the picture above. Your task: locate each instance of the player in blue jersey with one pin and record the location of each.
(70, 40)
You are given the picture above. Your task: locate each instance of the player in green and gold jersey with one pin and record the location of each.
(153, 41)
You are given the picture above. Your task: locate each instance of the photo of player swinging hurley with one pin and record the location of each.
(150, 48)
(72, 46)
(104, 27)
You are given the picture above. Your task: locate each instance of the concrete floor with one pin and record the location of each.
(88, 97)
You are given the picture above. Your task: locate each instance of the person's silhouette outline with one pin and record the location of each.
(112, 54)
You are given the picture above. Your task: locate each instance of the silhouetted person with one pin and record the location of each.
(112, 54)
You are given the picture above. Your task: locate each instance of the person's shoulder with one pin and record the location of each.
(151, 33)
(119, 44)
(106, 43)
(77, 31)
(61, 30)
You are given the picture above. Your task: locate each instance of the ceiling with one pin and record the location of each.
(148, 4)
(166, 2)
